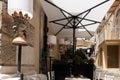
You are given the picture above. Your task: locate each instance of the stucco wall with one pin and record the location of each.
(37, 22)
(7, 49)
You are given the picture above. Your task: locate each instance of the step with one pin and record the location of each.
(13, 69)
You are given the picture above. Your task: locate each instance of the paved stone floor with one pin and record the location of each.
(26, 77)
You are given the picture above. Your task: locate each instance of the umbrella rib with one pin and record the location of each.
(90, 20)
(59, 30)
(94, 6)
(66, 17)
(57, 6)
(59, 19)
(86, 29)
(63, 27)
(87, 24)
(83, 17)
(61, 24)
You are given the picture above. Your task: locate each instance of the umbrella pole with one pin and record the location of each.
(74, 41)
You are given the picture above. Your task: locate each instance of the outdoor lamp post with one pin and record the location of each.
(51, 43)
(22, 12)
(19, 41)
(61, 43)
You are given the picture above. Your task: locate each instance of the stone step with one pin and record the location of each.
(13, 69)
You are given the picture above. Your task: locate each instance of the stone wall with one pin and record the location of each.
(7, 49)
(37, 21)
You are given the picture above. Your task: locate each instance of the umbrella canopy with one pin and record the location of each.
(95, 10)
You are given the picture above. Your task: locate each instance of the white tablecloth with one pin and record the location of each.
(77, 79)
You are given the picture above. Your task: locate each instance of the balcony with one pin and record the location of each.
(108, 33)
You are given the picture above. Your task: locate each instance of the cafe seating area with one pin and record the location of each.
(59, 40)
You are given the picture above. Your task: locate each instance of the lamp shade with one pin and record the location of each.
(67, 42)
(61, 41)
(24, 6)
(19, 41)
(51, 40)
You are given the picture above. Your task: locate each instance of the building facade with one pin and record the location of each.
(108, 44)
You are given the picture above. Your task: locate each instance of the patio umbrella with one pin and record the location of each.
(77, 14)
